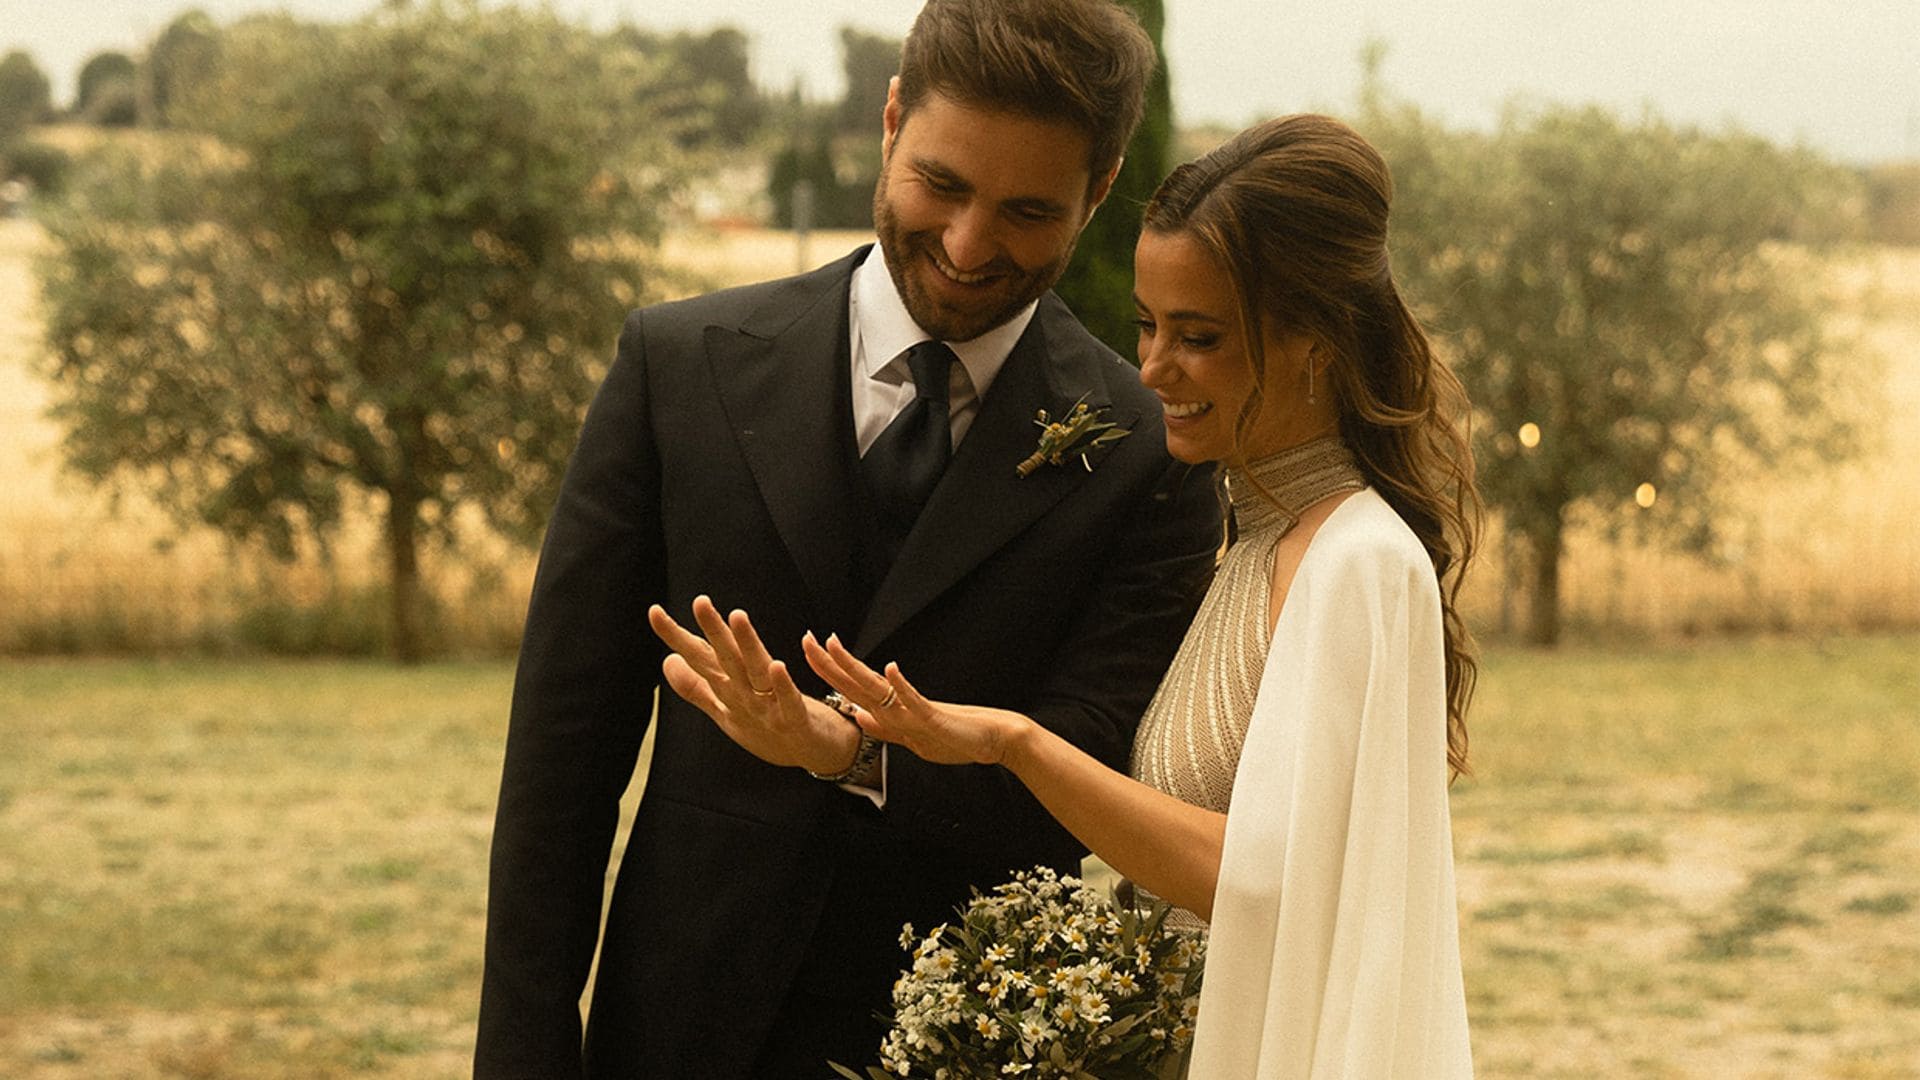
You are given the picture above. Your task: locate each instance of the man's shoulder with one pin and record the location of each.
(760, 303)
(1075, 351)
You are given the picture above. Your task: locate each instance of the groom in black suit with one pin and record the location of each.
(837, 452)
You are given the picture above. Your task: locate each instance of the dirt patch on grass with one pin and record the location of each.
(1779, 944)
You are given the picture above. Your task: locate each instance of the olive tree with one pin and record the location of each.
(391, 259)
(1634, 308)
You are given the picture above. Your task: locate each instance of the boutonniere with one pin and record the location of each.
(1074, 435)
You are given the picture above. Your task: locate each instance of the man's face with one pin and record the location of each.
(978, 210)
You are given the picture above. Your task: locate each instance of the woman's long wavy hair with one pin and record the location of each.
(1295, 210)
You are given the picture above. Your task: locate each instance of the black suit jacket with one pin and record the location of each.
(718, 457)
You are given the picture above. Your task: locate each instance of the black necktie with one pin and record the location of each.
(905, 462)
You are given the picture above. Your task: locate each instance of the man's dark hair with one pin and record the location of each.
(1081, 62)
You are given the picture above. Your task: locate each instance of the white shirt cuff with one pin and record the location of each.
(876, 796)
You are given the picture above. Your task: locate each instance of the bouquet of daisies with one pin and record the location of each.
(1044, 977)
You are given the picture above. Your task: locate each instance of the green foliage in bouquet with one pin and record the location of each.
(1045, 977)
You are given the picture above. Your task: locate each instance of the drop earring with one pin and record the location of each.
(1310, 398)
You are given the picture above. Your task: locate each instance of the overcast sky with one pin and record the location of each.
(1840, 75)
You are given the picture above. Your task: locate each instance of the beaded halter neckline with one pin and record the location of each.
(1271, 493)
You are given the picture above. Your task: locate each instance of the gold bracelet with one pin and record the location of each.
(863, 757)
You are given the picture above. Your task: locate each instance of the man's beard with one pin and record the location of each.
(909, 255)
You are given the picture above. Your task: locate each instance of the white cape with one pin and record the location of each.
(1335, 947)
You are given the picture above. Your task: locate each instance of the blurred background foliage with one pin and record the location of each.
(1098, 284)
(390, 256)
(828, 152)
(1636, 309)
(26, 95)
(299, 273)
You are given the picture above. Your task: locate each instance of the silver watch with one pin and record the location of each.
(863, 757)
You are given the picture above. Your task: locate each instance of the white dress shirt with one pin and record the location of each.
(882, 332)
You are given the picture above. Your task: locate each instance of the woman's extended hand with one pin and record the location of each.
(891, 709)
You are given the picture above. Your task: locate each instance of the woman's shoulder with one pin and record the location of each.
(1364, 531)
(1363, 562)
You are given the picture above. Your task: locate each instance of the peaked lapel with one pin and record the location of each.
(782, 379)
(981, 502)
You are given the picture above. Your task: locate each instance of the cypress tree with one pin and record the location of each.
(1098, 285)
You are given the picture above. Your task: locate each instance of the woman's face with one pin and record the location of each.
(1192, 354)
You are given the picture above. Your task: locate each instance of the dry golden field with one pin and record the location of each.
(80, 571)
(1834, 549)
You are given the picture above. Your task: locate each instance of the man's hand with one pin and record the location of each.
(728, 674)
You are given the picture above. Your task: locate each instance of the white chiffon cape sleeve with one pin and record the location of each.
(1334, 948)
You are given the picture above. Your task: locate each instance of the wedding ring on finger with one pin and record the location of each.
(893, 697)
(757, 692)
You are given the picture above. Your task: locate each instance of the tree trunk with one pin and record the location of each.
(1543, 623)
(403, 555)
(1513, 568)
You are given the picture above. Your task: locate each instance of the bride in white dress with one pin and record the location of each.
(1288, 787)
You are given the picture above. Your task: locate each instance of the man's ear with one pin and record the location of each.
(890, 118)
(1100, 190)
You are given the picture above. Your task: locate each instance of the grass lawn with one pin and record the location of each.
(1695, 862)
(256, 869)
(1698, 861)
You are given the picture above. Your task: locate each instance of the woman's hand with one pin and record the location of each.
(729, 675)
(891, 709)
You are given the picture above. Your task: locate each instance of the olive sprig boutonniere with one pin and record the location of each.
(1076, 434)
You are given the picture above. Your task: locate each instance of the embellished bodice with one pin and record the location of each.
(1188, 743)
(1189, 740)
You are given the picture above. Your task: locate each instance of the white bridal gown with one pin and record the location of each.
(1334, 947)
